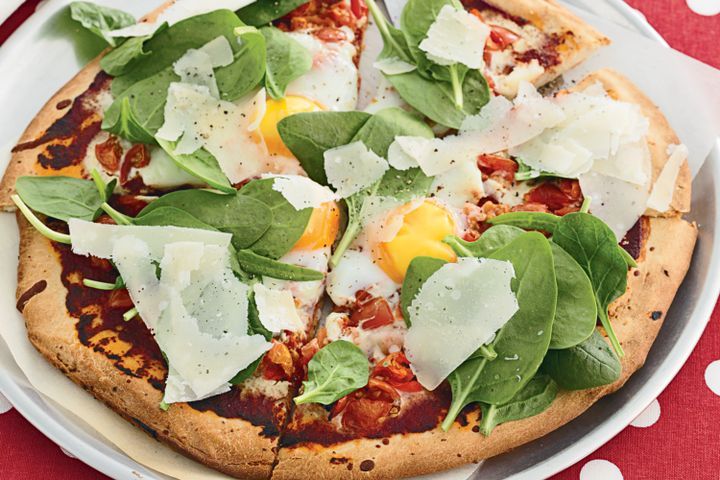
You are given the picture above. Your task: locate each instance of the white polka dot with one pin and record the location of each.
(648, 417)
(67, 453)
(712, 377)
(704, 7)
(5, 406)
(600, 470)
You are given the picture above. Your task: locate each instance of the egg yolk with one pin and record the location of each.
(322, 228)
(421, 234)
(275, 111)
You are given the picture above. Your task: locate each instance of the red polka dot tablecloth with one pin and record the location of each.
(676, 437)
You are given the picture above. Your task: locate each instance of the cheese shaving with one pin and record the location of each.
(456, 36)
(302, 192)
(276, 309)
(352, 168)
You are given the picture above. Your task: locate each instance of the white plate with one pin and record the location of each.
(41, 57)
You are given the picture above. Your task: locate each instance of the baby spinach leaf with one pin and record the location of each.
(117, 61)
(262, 12)
(419, 270)
(256, 264)
(245, 218)
(247, 70)
(533, 399)
(338, 369)
(200, 164)
(286, 61)
(165, 216)
(527, 220)
(394, 41)
(594, 246)
(380, 130)
(287, 224)
(576, 312)
(101, 20)
(404, 185)
(60, 197)
(491, 240)
(255, 327)
(126, 125)
(589, 364)
(522, 343)
(309, 135)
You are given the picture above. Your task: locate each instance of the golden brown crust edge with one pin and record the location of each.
(667, 257)
(660, 135)
(551, 17)
(232, 446)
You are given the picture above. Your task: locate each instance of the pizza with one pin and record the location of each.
(219, 246)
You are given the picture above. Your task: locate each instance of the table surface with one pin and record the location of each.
(676, 437)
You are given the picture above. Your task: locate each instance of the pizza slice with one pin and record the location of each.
(413, 383)
(446, 59)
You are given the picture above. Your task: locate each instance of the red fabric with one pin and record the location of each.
(684, 443)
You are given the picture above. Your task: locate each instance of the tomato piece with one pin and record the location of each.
(395, 368)
(364, 414)
(109, 153)
(501, 37)
(120, 298)
(494, 164)
(137, 157)
(556, 195)
(371, 314)
(330, 34)
(277, 364)
(358, 8)
(410, 387)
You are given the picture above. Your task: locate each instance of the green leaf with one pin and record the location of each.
(118, 60)
(533, 399)
(255, 327)
(490, 241)
(522, 343)
(247, 70)
(527, 220)
(245, 218)
(262, 12)
(338, 369)
(101, 20)
(380, 130)
(200, 164)
(419, 270)
(594, 246)
(309, 135)
(576, 312)
(287, 225)
(394, 42)
(286, 60)
(587, 365)
(126, 125)
(415, 21)
(256, 264)
(60, 197)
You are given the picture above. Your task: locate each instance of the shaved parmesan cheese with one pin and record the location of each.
(664, 188)
(178, 11)
(458, 309)
(306, 294)
(397, 158)
(456, 36)
(302, 192)
(219, 51)
(276, 309)
(195, 67)
(351, 168)
(356, 271)
(394, 66)
(509, 84)
(197, 310)
(196, 119)
(459, 185)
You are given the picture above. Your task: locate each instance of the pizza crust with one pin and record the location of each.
(551, 17)
(660, 135)
(230, 445)
(668, 252)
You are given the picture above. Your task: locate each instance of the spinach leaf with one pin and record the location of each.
(101, 20)
(576, 312)
(287, 225)
(491, 240)
(255, 327)
(245, 218)
(263, 12)
(404, 185)
(286, 61)
(522, 343)
(533, 399)
(394, 42)
(123, 123)
(476, 92)
(594, 246)
(380, 130)
(428, 97)
(200, 164)
(419, 270)
(256, 264)
(247, 70)
(117, 61)
(309, 135)
(60, 197)
(527, 220)
(165, 216)
(336, 370)
(589, 364)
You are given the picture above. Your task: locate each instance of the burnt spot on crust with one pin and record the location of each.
(257, 409)
(635, 238)
(150, 431)
(37, 288)
(421, 415)
(656, 315)
(339, 460)
(367, 465)
(63, 104)
(66, 140)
